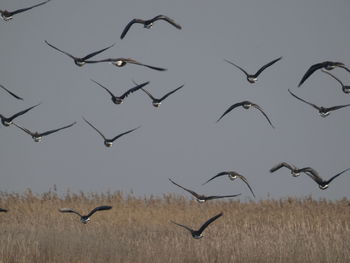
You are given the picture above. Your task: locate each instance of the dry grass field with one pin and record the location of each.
(139, 230)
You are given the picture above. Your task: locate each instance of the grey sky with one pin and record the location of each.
(179, 140)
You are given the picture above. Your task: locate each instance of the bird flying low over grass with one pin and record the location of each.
(197, 234)
(85, 218)
(148, 23)
(252, 78)
(121, 62)
(7, 121)
(8, 15)
(80, 61)
(11, 93)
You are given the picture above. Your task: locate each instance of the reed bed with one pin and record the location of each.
(139, 230)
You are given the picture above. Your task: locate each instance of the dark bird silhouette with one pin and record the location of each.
(119, 100)
(328, 65)
(11, 93)
(293, 169)
(323, 111)
(155, 101)
(3, 210)
(77, 60)
(8, 15)
(109, 142)
(38, 136)
(323, 184)
(252, 78)
(148, 23)
(232, 175)
(85, 218)
(8, 121)
(345, 88)
(202, 198)
(197, 234)
(121, 62)
(246, 105)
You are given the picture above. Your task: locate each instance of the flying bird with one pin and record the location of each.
(252, 78)
(121, 62)
(80, 61)
(345, 88)
(85, 218)
(328, 65)
(293, 169)
(38, 136)
(232, 175)
(155, 101)
(119, 100)
(246, 105)
(323, 111)
(11, 93)
(8, 121)
(197, 234)
(323, 184)
(3, 210)
(148, 23)
(109, 142)
(202, 198)
(8, 15)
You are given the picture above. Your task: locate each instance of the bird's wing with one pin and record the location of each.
(186, 227)
(127, 93)
(24, 129)
(246, 182)
(330, 74)
(101, 60)
(220, 196)
(56, 130)
(337, 107)
(120, 135)
(188, 190)
(149, 94)
(110, 93)
(28, 8)
(311, 173)
(69, 210)
(344, 67)
(169, 20)
(219, 174)
(311, 70)
(3, 210)
(96, 52)
(261, 110)
(243, 70)
(100, 133)
(280, 165)
(127, 27)
(64, 52)
(11, 93)
(311, 104)
(132, 61)
(169, 93)
(266, 66)
(22, 112)
(99, 208)
(230, 109)
(335, 176)
(208, 222)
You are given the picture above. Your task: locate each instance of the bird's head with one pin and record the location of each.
(346, 89)
(323, 112)
(108, 143)
(79, 62)
(148, 25)
(323, 186)
(119, 63)
(85, 219)
(252, 79)
(36, 138)
(156, 104)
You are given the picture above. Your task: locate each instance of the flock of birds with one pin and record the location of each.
(325, 67)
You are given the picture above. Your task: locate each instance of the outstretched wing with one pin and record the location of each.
(56, 130)
(24, 129)
(22, 112)
(92, 126)
(243, 70)
(220, 196)
(280, 165)
(311, 104)
(168, 19)
(219, 174)
(169, 93)
(334, 77)
(230, 109)
(64, 52)
(127, 93)
(188, 190)
(337, 107)
(149, 94)
(261, 110)
(99, 208)
(335, 176)
(28, 8)
(11, 93)
(69, 210)
(266, 66)
(206, 224)
(96, 52)
(246, 182)
(3, 210)
(310, 71)
(132, 61)
(110, 93)
(186, 227)
(122, 134)
(127, 27)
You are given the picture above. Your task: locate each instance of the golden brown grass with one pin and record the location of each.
(139, 230)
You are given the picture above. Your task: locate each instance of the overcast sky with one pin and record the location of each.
(180, 139)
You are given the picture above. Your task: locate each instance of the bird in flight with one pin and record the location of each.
(119, 100)
(79, 61)
(323, 184)
(8, 15)
(197, 234)
(85, 218)
(38, 136)
(155, 101)
(202, 198)
(148, 23)
(121, 62)
(11, 93)
(345, 88)
(109, 142)
(328, 65)
(293, 169)
(252, 78)
(323, 111)
(232, 175)
(246, 105)
(8, 121)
